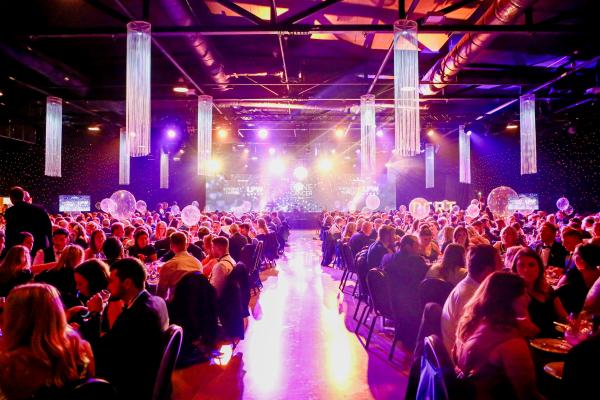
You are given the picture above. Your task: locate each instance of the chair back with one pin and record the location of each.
(271, 246)
(347, 258)
(380, 293)
(435, 365)
(194, 308)
(258, 256)
(240, 274)
(231, 308)
(433, 290)
(93, 389)
(162, 386)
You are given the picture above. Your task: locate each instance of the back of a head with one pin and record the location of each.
(221, 242)
(178, 241)
(95, 273)
(9, 267)
(407, 243)
(454, 256)
(130, 268)
(112, 248)
(590, 254)
(71, 257)
(482, 259)
(16, 194)
(233, 229)
(385, 233)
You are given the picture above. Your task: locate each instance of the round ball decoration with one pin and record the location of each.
(175, 209)
(124, 204)
(141, 206)
(190, 215)
(473, 211)
(475, 201)
(108, 205)
(562, 204)
(196, 204)
(498, 201)
(569, 210)
(419, 208)
(373, 202)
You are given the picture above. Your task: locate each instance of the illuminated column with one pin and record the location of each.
(164, 170)
(205, 104)
(123, 158)
(367, 136)
(406, 88)
(137, 110)
(429, 165)
(53, 136)
(464, 149)
(528, 135)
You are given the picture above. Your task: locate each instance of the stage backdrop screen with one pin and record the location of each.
(73, 203)
(337, 191)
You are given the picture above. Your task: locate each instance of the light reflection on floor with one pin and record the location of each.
(300, 348)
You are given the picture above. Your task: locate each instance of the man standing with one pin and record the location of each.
(25, 217)
(129, 354)
(177, 267)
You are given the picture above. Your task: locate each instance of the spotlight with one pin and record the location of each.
(181, 151)
(1, 94)
(180, 89)
(339, 133)
(222, 133)
(171, 134)
(430, 132)
(94, 128)
(300, 173)
(271, 151)
(263, 133)
(469, 132)
(277, 166)
(325, 165)
(246, 151)
(214, 166)
(379, 133)
(512, 126)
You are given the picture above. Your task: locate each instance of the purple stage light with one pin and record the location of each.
(379, 133)
(263, 133)
(171, 134)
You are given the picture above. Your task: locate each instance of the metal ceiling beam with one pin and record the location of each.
(309, 11)
(281, 29)
(242, 12)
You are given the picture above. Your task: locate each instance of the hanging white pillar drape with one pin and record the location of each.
(137, 109)
(123, 158)
(367, 136)
(205, 104)
(53, 136)
(464, 149)
(528, 135)
(429, 166)
(406, 88)
(164, 170)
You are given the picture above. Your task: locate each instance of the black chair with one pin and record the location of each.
(240, 274)
(436, 370)
(162, 386)
(432, 290)
(348, 265)
(258, 256)
(430, 325)
(379, 291)
(92, 389)
(231, 308)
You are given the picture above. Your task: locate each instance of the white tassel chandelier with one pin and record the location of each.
(429, 166)
(406, 88)
(164, 170)
(205, 104)
(123, 158)
(53, 136)
(528, 135)
(464, 149)
(138, 88)
(367, 136)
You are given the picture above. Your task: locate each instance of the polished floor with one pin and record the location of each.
(300, 342)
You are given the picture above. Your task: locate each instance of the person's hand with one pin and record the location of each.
(74, 311)
(94, 305)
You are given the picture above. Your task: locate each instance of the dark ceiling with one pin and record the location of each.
(322, 54)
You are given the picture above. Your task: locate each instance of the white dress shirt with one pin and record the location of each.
(454, 308)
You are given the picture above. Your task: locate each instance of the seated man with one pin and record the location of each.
(361, 239)
(224, 265)
(236, 242)
(553, 253)
(129, 354)
(173, 270)
(60, 239)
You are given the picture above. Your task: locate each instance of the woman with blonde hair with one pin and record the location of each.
(15, 269)
(161, 231)
(62, 276)
(40, 353)
(349, 230)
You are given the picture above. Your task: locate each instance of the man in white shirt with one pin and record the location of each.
(224, 265)
(483, 260)
(177, 267)
(60, 239)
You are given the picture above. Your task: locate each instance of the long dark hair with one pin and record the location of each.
(492, 303)
(540, 285)
(96, 273)
(454, 258)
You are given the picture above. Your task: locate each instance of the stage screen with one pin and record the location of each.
(525, 202)
(73, 203)
(334, 192)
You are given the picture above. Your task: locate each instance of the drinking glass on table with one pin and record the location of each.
(578, 330)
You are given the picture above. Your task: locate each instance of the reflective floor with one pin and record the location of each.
(300, 342)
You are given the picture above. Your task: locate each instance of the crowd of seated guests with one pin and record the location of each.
(76, 300)
(512, 279)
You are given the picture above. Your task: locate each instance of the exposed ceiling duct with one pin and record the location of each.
(180, 14)
(501, 12)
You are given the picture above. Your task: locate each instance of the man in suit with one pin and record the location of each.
(129, 354)
(553, 253)
(236, 242)
(26, 217)
(571, 238)
(361, 239)
(405, 270)
(60, 239)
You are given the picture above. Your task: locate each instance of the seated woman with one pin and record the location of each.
(461, 236)
(349, 230)
(15, 269)
(490, 345)
(91, 277)
(77, 235)
(508, 238)
(62, 276)
(452, 268)
(544, 307)
(429, 249)
(446, 237)
(142, 249)
(574, 285)
(97, 239)
(46, 361)
(161, 231)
